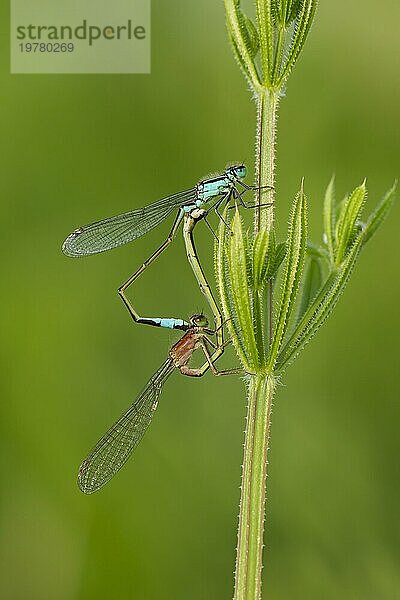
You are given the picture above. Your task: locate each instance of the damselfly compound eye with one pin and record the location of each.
(199, 321)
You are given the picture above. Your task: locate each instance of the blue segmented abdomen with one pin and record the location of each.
(165, 323)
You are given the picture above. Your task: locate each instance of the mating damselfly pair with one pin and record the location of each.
(191, 206)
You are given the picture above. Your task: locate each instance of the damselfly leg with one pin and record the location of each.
(174, 323)
(189, 223)
(211, 361)
(239, 196)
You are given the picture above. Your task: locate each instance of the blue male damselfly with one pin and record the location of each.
(115, 231)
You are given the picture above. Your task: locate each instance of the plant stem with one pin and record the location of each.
(252, 503)
(267, 108)
(261, 386)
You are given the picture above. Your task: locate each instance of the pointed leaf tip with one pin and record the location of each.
(350, 213)
(296, 250)
(380, 213)
(329, 218)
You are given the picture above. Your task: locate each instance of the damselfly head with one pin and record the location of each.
(238, 171)
(199, 321)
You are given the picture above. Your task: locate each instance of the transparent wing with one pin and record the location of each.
(115, 447)
(116, 231)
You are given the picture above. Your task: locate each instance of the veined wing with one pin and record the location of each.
(116, 446)
(121, 229)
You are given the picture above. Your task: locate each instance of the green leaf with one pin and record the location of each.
(318, 251)
(377, 217)
(227, 302)
(329, 218)
(276, 11)
(346, 223)
(296, 250)
(311, 284)
(285, 11)
(239, 58)
(242, 36)
(293, 8)
(249, 258)
(268, 264)
(260, 255)
(250, 35)
(321, 307)
(265, 30)
(238, 269)
(267, 258)
(258, 325)
(304, 20)
(328, 296)
(280, 253)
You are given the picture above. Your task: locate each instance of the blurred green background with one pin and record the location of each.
(78, 148)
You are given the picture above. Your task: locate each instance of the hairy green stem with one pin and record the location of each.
(267, 108)
(252, 503)
(261, 386)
